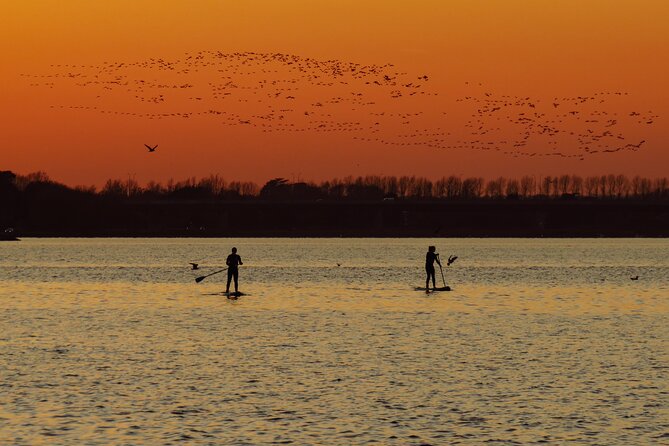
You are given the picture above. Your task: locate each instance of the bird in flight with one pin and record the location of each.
(151, 149)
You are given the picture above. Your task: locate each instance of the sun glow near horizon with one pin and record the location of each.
(464, 88)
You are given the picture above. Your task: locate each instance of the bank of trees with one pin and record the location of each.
(370, 187)
(373, 187)
(454, 187)
(212, 186)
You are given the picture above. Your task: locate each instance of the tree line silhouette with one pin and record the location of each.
(565, 205)
(373, 187)
(370, 187)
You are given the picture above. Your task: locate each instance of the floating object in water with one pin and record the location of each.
(429, 290)
(8, 235)
(195, 265)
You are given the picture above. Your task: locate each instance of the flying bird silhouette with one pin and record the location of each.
(151, 149)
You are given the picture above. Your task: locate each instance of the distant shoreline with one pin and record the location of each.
(371, 206)
(464, 219)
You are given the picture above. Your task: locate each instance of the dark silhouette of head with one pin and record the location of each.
(431, 248)
(234, 250)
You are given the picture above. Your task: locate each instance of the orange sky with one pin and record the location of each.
(514, 48)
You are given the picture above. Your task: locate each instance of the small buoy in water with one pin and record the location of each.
(634, 278)
(194, 265)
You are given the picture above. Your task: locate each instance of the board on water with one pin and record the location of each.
(233, 294)
(442, 288)
(230, 295)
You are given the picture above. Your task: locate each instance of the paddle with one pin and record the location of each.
(201, 278)
(442, 275)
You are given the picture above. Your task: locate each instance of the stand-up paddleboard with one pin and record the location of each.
(233, 294)
(441, 288)
(230, 295)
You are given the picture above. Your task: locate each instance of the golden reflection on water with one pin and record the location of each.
(567, 300)
(137, 353)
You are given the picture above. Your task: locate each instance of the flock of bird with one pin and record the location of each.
(371, 104)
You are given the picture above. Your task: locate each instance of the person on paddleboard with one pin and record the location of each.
(233, 261)
(430, 258)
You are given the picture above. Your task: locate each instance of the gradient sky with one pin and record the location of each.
(539, 49)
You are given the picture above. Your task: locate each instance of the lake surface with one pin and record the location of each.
(111, 341)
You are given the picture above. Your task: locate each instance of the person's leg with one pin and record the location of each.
(434, 280)
(227, 287)
(427, 279)
(236, 276)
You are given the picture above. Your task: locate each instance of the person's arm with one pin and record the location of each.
(436, 256)
(240, 260)
(227, 261)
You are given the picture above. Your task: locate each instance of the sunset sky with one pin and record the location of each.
(234, 117)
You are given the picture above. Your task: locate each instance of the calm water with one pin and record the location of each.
(541, 342)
